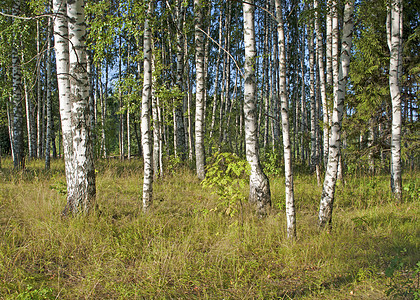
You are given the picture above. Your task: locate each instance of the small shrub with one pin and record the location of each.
(226, 172)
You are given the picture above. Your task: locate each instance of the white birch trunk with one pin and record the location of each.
(259, 193)
(61, 45)
(74, 100)
(288, 171)
(394, 29)
(200, 91)
(145, 114)
(322, 87)
(327, 198)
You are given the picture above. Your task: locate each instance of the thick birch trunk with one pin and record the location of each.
(288, 172)
(74, 100)
(145, 114)
(200, 91)
(259, 193)
(394, 42)
(327, 198)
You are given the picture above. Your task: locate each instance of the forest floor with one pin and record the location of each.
(187, 247)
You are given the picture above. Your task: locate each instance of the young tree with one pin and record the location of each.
(327, 198)
(259, 193)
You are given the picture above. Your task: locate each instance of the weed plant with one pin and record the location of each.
(185, 249)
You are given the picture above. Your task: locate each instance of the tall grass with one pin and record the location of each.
(186, 249)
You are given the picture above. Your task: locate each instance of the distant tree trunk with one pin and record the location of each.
(216, 86)
(39, 93)
(394, 31)
(259, 193)
(303, 99)
(157, 132)
(145, 114)
(179, 128)
(288, 171)
(30, 121)
(92, 103)
(128, 108)
(48, 100)
(314, 115)
(121, 116)
(104, 109)
(320, 51)
(17, 145)
(327, 198)
(200, 90)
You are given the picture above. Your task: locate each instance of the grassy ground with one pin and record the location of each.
(186, 249)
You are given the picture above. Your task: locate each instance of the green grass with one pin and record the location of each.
(184, 249)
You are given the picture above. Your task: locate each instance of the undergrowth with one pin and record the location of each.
(186, 249)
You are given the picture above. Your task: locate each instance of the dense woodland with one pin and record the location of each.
(329, 86)
(239, 93)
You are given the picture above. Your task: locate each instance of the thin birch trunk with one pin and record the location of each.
(48, 99)
(216, 86)
(17, 145)
(288, 171)
(322, 87)
(259, 193)
(327, 198)
(145, 114)
(39, 93)
(200, 90)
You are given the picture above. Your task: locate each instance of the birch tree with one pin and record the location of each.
(259, 192)
(394, 32)
(17, 141)
(48, 100)
(327, 198)
(322, 87)
(73, 84)
(145, 113)
(288, 172)
(200, 90)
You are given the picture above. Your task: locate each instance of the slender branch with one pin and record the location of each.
(230, 55)
(33, 17)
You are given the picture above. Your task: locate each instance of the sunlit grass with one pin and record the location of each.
(185, 249)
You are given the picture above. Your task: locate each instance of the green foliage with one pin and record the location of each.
(36, 294)
(226, 172)
(411, 191)
(271, 164)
